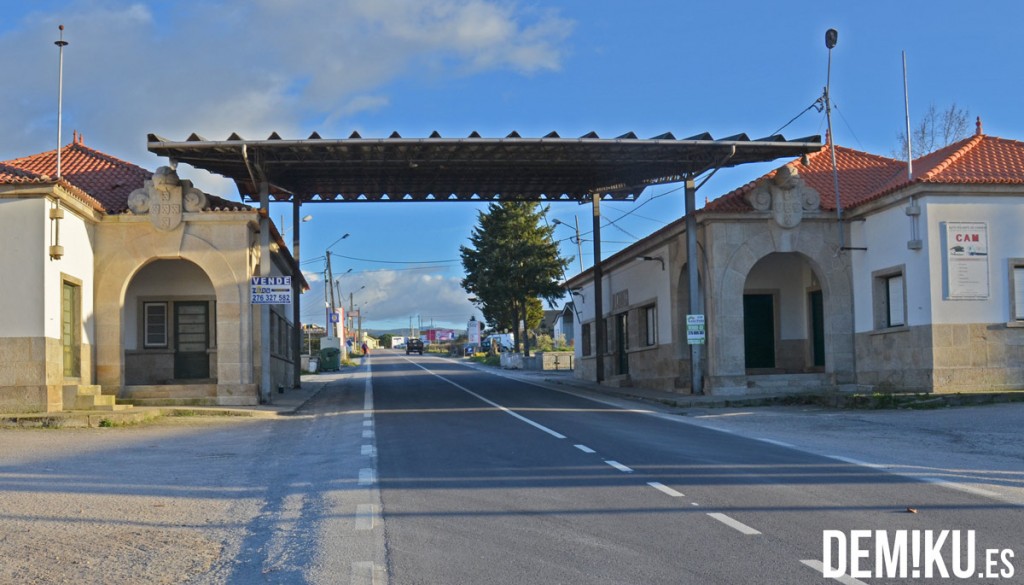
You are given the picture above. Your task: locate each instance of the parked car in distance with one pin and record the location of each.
(414, 345)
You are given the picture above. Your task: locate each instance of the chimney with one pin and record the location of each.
(977, 131)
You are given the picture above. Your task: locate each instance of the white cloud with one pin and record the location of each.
(251, 67)
(389, 298)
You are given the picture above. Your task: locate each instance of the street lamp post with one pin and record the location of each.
(330, 300)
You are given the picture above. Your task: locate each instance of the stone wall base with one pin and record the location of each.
(191, 395)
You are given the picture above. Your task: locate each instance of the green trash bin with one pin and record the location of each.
(330, 359)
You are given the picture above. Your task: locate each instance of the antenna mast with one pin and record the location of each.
(906, 107)
(60, 92)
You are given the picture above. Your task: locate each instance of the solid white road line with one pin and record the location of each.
(618, 466)
(494, 404)
(774, 442)
(665, 489)
(584, 448)
(733, 523)
(852, 461)
(844, 579)
(960, 486)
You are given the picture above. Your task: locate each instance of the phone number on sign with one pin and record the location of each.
(271, 299)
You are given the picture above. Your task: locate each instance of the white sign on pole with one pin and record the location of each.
(695, 334)
(271, 290)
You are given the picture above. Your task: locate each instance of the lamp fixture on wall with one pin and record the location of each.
(652, 259)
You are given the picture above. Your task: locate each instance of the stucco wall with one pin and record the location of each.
(23, 261)
(31, 354)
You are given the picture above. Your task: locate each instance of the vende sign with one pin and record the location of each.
(271, 290)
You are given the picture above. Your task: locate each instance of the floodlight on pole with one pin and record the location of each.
(831, 38)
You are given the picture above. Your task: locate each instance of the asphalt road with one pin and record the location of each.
(421, 470)
(487, 479)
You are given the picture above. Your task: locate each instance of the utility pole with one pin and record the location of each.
(579, 243)
(330, 282)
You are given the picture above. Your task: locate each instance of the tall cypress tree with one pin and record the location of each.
(511, 262)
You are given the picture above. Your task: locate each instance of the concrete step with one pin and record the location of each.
(90, 397)
(85, 389)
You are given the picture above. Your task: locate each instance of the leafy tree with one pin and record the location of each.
(935, 130)
(511, 263)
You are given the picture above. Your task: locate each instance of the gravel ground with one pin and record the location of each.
(78, 505)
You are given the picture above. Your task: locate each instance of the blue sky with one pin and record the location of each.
(458, 66)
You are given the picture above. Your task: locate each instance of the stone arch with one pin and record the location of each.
(814, 244)
(119, 264)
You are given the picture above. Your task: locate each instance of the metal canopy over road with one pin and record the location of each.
(478, 169)
(552, 168)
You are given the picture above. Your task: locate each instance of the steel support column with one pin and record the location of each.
(696, 379)
(296, 323)
(264, 309)
(599, 332)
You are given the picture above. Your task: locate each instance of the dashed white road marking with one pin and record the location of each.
(367, 434)
(367, 423)
(366, 516)
(367, 573)
(844, 579)
(733, 523)
(367, 476)
(618, 466)
(368, 450)
(665, 489)
(584, 448)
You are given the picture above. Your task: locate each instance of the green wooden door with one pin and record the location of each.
(817, 328)
(759, 330)
(191, 340)
(70, 326)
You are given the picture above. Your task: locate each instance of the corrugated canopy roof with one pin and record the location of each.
(551, 168)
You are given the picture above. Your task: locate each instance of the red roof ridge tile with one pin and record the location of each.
(104, 156)
(959, 150)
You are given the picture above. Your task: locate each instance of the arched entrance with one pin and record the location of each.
(783, 316)
(169, 319)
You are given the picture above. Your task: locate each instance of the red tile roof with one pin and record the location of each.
(101, 180)
(866, 177)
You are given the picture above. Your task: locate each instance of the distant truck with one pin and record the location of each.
(502, 341)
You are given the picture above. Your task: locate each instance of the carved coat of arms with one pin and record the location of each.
(164, 198)
(786, 195)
